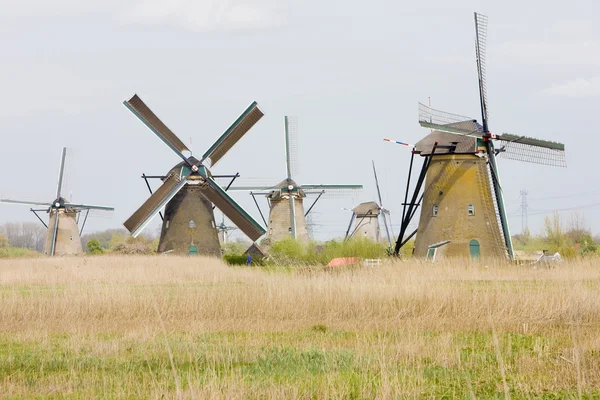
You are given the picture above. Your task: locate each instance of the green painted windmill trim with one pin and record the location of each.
(235, 205)
(222, 138)
(548, 144)
(156, 132)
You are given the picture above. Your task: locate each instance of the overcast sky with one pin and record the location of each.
(352, 71)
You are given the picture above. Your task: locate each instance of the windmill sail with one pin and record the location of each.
(331, 191)
(448, 122)
(61, 172)
(383, 210)
(142, 217)
(531, 150)
(54, 234)
(90, 207)
(232, 135)
(215, 194)
(480, 52)
(143, 112)
(29, 203)
(291, 146)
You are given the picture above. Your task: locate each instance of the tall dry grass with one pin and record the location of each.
(396, 321)
(204, 294)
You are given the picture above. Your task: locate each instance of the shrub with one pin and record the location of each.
(293, 252)
(233, 259)
(93, 247)
(234, 248)
(14, 252)
(139, 245)
(3, 242)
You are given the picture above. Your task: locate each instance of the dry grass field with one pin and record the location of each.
(163, 327)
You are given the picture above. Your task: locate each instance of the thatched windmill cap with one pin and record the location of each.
(448, 143)
(368, 208)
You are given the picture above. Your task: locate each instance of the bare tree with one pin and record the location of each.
(555, 236)
(28, 235)
(578, 231)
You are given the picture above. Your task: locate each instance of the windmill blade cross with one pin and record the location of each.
(236, 214)
(143, 112)
(61, 172)
(291, 146)
(144, 215)
(233, 134)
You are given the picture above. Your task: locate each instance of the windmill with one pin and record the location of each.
(287, 217)
(223, 231)
(462, 201)
(366, 216)
(189, 190)
(64, 235)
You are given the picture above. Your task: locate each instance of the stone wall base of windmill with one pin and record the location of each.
(458, 205)
(279, 221)
(176, 234)
(68, 242)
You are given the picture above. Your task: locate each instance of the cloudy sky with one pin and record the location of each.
(352, 72)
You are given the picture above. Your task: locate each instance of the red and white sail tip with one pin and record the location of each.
(399, 142)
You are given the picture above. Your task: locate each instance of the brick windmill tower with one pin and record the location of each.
(462, 208)
(64, 235)
(287, 215)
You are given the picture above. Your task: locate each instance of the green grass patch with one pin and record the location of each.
(18, 252)
(315, 363)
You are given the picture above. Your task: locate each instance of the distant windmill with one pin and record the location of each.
(287, 217)
(365, 218)
(462, 201)
(189, 190)
(64, 235)
(224, 230)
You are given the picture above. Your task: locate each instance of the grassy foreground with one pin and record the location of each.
(163, 327)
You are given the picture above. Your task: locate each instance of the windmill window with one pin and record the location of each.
(434, 212)
(471, 210)
(167, 224)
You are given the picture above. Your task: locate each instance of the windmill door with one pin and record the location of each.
(474, 249)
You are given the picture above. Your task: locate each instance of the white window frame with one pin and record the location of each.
(471, 210)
